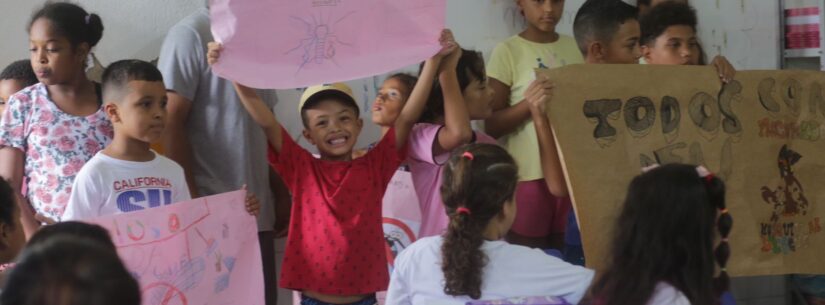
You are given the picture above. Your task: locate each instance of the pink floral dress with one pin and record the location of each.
(55, 144)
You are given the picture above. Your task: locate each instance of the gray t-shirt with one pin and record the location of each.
(228, 147)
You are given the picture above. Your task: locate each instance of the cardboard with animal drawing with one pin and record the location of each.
(762, 134)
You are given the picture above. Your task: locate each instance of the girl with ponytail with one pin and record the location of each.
(470, 261)
(670, 239)
(49, 130)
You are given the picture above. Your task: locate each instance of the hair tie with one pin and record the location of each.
(468, 155)
(88, 18)
(463, 210)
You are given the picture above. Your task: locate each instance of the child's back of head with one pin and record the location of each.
(68, 270)
(15, 77)
(72, 228)
(12, 237)
(665, 233)
(470, 69)
(478, 187)
(607, 31)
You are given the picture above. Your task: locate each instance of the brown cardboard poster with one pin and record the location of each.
(763, 134)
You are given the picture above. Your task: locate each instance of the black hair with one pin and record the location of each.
(71, 21)
(480, 178)
(470, 67)
(20, 70)
(665, 233)
(8, 205)
(118, 75)
(328, 95)
(599, 20)
(75, 229)
(663, 16)
(69, 270)
(406, 79)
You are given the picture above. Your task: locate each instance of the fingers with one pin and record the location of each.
(724, 68)
(214, 52)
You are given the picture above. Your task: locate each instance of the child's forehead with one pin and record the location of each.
(330, 106)
(142, 87)
(679, 31)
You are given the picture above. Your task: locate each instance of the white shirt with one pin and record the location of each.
(667, 294)
(106, 186)
(511, 271)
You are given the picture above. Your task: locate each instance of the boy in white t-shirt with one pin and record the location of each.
(127, 175)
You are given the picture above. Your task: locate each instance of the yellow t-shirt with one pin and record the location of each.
(512, 63)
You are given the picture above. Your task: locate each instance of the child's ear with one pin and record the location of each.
(596, 50)
(82, 51)
(112, 112)
(360, 123)
(308, 136)
(4, 236)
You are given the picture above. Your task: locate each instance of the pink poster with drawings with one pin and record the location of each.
(203, 251)
(281, 44)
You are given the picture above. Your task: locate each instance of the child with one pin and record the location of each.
(335, 248)
(15, 77)
(680, 209)
(127, 175)
(11, 232)
(469, 261)
(669, 38)
(51, 129)
(607, 32)
(70, 270)
(542, 214)
(391, 98)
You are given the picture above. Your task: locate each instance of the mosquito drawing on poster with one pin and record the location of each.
(320, 42)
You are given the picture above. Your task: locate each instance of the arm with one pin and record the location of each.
(457, 130)
(253, 103)
(283, 203)
(11, 169)
(538, 94)
(261, 114)
(421, 92)
(505, 118)
(175, 140)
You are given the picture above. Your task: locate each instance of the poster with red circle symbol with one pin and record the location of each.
(202, 251)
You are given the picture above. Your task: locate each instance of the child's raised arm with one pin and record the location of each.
(256, 107)
(421, 92)
(537, 95)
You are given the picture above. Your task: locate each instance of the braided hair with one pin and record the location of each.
(478, 180)
(665, 233)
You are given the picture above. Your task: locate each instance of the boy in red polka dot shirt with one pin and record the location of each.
(335, 249)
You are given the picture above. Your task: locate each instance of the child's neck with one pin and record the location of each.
(535, 35)
(384, 130)
(129, 149)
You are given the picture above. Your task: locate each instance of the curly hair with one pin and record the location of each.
(665, 15)
(478, 180)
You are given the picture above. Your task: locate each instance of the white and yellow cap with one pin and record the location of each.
(340, 89)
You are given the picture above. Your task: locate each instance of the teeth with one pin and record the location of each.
(338, 141)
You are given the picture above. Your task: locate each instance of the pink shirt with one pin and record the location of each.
(55, 144)
(426, 174)
(336, 243)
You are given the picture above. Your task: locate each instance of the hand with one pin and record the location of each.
(44, 219)
(213, 53)
(538, 94)
(252, 205)
(450, 61)
(725, 70)
(448, 44)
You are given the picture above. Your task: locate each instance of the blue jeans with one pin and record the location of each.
(305, 300)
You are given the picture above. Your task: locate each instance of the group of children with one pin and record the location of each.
(80, 149)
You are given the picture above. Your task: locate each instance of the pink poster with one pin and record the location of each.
(282, 44)
(203, 251)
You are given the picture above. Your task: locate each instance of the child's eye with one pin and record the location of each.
(163, 104)
(321, 123)
(52, 50)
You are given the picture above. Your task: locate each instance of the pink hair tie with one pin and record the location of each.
(468, 155)
(463, 210)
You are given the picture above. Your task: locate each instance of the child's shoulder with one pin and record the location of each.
(27, 95)
(420, 249)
